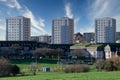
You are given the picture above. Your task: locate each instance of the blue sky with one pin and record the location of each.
(42, 12)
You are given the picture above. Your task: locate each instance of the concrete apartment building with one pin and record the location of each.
(41, 38)
(117, 35)
(89, 36)
(17, 29)
(62, 30)
(105, 30)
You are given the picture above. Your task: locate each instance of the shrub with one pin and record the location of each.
(109, 66)
(5, 67)
(33, 68)
(77, 68)
(116, 62)
(100, 64)
(112, 64)
(15, 70)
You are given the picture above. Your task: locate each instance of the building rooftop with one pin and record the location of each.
(104, 18)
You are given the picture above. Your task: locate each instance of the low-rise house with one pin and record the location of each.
(99, 51)
(26, 49)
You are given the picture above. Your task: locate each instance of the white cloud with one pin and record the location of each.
(68, 10)
(2, 27)
(34, 32)
(106, 8)
(103, 8)
(69, 14)
(12, 3)
(99, 8)
(117, 17)
(2, 37)
(2, 32)
(36, 23)
(76, 20)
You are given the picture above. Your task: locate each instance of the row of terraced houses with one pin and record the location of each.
(18, 33)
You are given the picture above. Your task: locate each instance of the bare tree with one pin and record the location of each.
(78, 53)
(33, 68)
(48, 53)
(59, 53)
(41, 52)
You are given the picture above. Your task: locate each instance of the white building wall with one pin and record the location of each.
(41, 38)
(62, 30)
(17, 29)
(94, 53)
(105, 30)
(108, 52)
(90, 51)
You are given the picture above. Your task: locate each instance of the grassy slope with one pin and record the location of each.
(70, 76)
(24, 64)
(92, 75)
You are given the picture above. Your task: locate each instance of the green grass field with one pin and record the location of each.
(92, 75)
(70, 76)
(25, 64)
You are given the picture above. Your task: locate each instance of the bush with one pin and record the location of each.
(116, 61)
(33, 68)
(15, 70)
(110, 65)
(5, 68)
(100, 64)
(77, 68)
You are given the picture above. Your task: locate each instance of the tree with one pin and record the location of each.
(15, 70)
(100, 64)
(41, 52)
(78, 52)
(59, 53)
(55, 52)
(116, 60)
(113, 63)
(48, 53)
(5, 67)
(109, 66)
(33, 68)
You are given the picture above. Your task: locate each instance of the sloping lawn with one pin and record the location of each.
(69, 76)
(92, 75)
